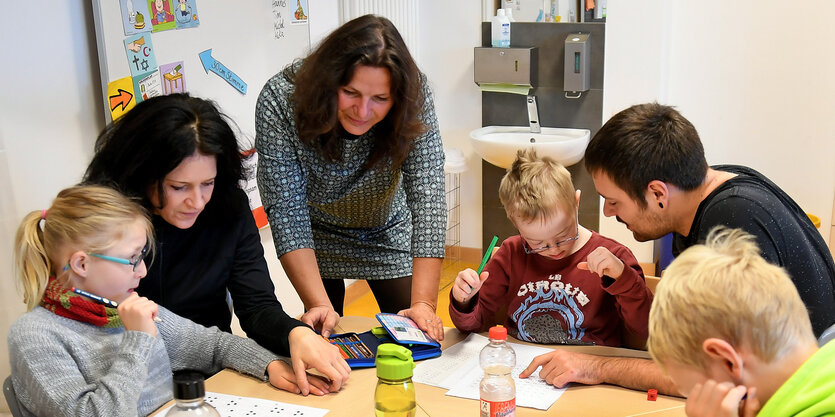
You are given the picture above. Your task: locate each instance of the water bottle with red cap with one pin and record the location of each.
(497, 389)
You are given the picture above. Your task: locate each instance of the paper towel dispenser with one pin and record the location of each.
(577, 62)
(505, 66)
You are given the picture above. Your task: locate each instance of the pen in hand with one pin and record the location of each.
(486, 257)
(104, 301)
(487, 254)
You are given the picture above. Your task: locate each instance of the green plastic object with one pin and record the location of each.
(487, 255)
(394, 362)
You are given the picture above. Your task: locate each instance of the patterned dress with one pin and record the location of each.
(363, 224)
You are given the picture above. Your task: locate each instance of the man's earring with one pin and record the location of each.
(660, 204)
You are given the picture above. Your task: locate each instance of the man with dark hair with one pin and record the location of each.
(648, 163)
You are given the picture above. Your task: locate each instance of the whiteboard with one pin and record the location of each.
(255, 39)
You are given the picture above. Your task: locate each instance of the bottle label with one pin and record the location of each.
(498, 408)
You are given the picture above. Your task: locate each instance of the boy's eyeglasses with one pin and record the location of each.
(124, 261)
(529, 250)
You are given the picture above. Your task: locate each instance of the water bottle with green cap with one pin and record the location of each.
(395, 393)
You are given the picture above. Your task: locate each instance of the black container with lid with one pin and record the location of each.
(188, 396)
(189, 385)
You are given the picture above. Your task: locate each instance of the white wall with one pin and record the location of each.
(325, 18)
(635, 72)
(49, 117)
(11, 305)
(761, 95)
(757, 82)
(450, 32)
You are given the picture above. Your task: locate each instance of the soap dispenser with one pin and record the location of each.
(577, 61)
(500, 30)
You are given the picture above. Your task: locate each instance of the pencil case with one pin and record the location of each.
(360, 349)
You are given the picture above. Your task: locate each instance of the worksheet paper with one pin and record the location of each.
(458, 370)
(233, 405)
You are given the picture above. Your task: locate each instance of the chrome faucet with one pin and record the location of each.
(533, 115)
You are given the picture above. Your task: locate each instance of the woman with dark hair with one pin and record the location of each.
(179, 157)
(350, 170)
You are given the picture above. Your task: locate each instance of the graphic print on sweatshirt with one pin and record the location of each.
(536, 317)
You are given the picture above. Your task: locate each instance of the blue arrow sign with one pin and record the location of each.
(213, 65)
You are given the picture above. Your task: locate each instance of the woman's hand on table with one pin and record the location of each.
(321, 318)
(309, 350)
(282, 377)
(424, 315)
(714, 399)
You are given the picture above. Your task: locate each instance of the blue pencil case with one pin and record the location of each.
(360, 349)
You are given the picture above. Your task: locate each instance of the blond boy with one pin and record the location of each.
(557, 281)
(733, 334)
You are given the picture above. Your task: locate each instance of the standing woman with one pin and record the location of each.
(178, 156)
(350, 170)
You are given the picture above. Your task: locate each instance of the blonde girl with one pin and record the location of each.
(71, 355)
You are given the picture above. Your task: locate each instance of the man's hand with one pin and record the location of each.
(560, 367)
(282, 377)
(321, 318)
(715, 399)
(426, 319)
(309, 350)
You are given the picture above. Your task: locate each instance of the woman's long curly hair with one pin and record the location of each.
(365, 41)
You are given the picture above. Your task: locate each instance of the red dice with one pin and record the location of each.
(652, 395)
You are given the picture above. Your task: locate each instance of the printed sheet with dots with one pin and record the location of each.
(233, 406)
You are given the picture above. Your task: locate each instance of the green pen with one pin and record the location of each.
(487, 254)
(486, 257)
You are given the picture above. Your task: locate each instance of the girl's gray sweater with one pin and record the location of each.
(65, 367)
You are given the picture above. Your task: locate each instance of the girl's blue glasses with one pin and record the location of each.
(124, 261)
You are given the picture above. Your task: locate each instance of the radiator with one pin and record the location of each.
(403, 13)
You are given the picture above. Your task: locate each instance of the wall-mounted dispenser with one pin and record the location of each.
(576, 64)
(508, 70)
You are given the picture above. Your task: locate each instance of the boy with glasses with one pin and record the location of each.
(558, 281)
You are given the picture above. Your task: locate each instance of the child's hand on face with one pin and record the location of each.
(467, 284)
(714, 399)
(602, 262)
(138, 313)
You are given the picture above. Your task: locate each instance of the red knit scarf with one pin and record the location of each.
(66, 303)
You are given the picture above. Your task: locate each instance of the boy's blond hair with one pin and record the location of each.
(536, 187)
(724, 289)
(91, 218)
